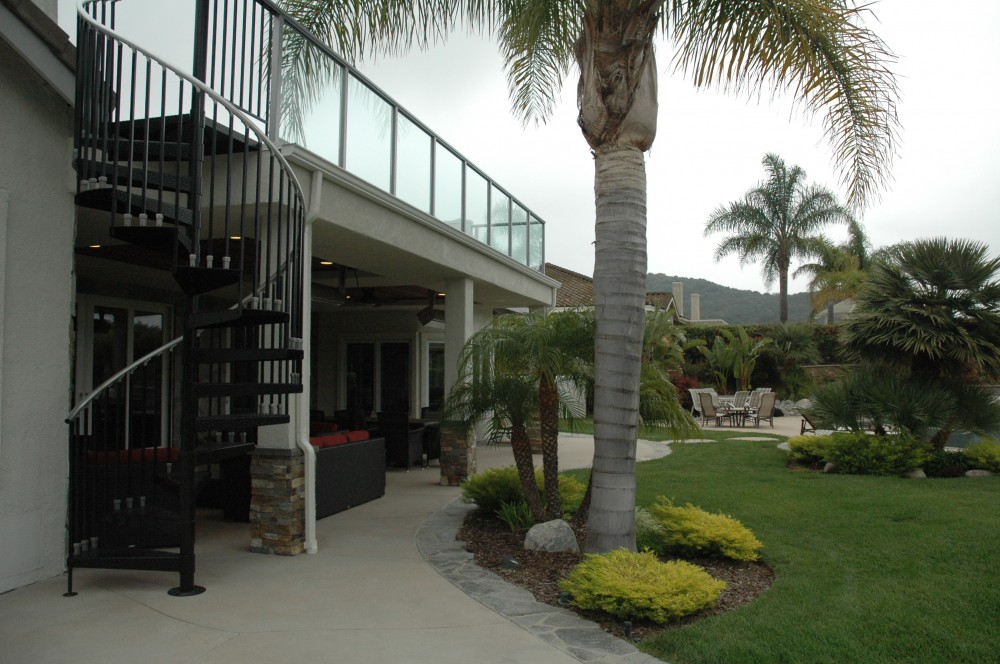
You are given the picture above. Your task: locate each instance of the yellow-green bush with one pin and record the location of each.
(492, 488)
(691, 530)
(984, 455)
(632, 585)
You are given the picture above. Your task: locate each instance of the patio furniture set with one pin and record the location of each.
(746, 405)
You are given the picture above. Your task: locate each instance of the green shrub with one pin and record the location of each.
(571, 491)
(648, 532)
(809, 450)
(941, 463)
(984, 455)
(864, 454)
(516, 515)
(861, 453)
(691, 530)
(492, 488)
(631, 586)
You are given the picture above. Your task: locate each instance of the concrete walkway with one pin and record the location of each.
(389, 584)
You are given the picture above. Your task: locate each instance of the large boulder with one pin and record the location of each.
(556, 535)
(978, 473)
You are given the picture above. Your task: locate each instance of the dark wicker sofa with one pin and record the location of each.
(350, 470)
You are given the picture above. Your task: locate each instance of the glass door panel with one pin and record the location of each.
(395, 377)
(146, 387)
(361, 377)
(109, 355)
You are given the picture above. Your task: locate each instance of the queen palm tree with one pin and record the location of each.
(777, 222)
(838, 271)
(818, 50)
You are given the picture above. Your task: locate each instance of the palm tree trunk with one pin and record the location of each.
(520, 444)
(619, 297)
(548, 423)
(783, 292)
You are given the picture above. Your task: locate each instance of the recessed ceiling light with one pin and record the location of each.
(94, 246)
(235, 237)
(326, 262)
(441, 294)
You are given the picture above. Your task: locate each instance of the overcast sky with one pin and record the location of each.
(945, 179)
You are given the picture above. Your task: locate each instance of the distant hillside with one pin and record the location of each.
(731, 304)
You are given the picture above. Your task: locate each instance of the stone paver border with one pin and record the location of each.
(562, 628)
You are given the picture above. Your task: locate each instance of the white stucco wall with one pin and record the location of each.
(36, 301)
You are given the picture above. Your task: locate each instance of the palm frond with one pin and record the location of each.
(536, 43)
(820, 52)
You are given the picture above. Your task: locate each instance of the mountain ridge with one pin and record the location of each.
(732, 304)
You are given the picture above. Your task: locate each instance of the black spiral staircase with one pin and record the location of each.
(184, 170)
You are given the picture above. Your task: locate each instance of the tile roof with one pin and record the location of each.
(577, 290)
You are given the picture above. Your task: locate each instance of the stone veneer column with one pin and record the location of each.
(458, 453)
(277, 501)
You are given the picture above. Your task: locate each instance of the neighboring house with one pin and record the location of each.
(577, 290)
(349, 273)
(836, 312)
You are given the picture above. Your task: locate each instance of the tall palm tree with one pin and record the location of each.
(818, 50)
(777, 222)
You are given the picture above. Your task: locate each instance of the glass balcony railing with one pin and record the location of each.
(353, 124)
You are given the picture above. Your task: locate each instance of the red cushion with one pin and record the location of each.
(332, 439)
(355, 436)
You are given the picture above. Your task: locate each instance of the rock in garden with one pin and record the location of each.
(556, 535)
(830, 467)
(917, 474)
(978, 473)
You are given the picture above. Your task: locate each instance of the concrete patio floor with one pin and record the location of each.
(369, 595)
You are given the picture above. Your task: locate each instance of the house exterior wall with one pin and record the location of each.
(36, 287)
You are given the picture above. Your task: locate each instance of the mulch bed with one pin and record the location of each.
(540, 572)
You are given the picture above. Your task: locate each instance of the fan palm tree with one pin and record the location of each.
(777, 222)
(933, 307)
(930, 312)
(818, 50)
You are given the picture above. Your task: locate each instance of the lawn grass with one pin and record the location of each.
(867, 569)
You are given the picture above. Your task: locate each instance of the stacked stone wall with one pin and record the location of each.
(277, 501)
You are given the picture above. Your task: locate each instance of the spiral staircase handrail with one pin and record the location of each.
(152, 355)
(227, 104)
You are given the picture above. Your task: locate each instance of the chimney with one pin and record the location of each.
(695, 306)
(679, 297)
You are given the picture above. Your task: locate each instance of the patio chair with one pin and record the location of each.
(696, 400)
(709, 411)
(753, 402)
(766, 409)
(808, 425)
(740, 399)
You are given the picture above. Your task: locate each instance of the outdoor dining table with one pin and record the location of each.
(736, 414)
